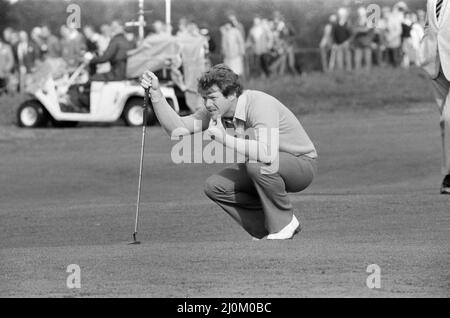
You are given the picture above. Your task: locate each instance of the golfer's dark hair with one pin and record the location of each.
(222, 76)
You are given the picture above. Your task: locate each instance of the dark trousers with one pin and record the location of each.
(394, 56)
(259, 202)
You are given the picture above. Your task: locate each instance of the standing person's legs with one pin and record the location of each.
(2, 85)
(348, 57)
(255, 69)
(390, 56)
(358, 58)
(264, 60)
(332, 64)
(324, 57)
(442, 95)
(368, 58)
(275, 67)
(291, 60)
(246, 58)
(398, 56)
(259, 202)
(339, 57)
(283, 63)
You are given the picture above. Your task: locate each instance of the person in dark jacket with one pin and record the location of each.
(115, 54)
(341, 38)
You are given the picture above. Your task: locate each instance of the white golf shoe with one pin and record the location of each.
(287, 232)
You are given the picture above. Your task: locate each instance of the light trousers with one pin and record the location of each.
(259, 202)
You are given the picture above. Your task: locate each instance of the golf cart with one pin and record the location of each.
(109, 101)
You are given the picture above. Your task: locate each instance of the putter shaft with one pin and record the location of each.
(141, 165)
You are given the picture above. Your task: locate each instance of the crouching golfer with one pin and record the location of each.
(280, 158)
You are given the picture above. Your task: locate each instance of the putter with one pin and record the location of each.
(141, 165)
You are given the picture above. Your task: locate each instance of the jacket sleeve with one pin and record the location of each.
(108, 55)
(9, 59)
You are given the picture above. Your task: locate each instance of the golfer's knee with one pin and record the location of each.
(445, 117)
(254, 169)
(212, 186)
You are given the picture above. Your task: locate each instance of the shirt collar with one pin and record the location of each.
(241, 107)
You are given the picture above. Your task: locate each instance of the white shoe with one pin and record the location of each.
(258, 239)
(287, 232)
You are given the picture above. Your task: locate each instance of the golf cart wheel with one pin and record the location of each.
(31, 114)
(133, 113)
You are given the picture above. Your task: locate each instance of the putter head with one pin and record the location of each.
(135, 242)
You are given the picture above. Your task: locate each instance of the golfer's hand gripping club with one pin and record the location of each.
(150, 83)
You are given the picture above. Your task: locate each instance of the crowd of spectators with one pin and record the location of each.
(21, 52)
(358, 40)
(351, 41)
(267, 49)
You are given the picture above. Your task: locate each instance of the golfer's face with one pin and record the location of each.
(216, 104)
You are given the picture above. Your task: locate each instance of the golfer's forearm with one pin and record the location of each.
(252, 149)
(167, 116)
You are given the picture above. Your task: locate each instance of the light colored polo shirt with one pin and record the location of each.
(256, 110)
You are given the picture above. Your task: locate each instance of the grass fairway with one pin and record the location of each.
(68, 197)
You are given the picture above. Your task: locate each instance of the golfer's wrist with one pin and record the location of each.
(156, 96)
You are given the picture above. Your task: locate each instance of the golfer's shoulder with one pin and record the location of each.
(260, 103)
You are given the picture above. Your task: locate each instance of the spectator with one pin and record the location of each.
(182, 26)
(93, 44)
(210, 47)
(105, 37)
(421, 17)
(211, 43)
(159, 31)
(394, 36)
(362, 41)
(27, 55)
(38, 43)
(6, 65)
(115, 54)
(194, 48)
(341, 39)
(92, 39)
(233, 48)
(192, 29)
(14, 81)
(380, 37)
(235, 23)
(279, 53)
(7, 35)
(51, 46)
(326, 43)
(14, 40)
(239, 26)
(417, 34)
(74, 46)
(131, 37)
(286, 35)
(258, 41)
(407, 46)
